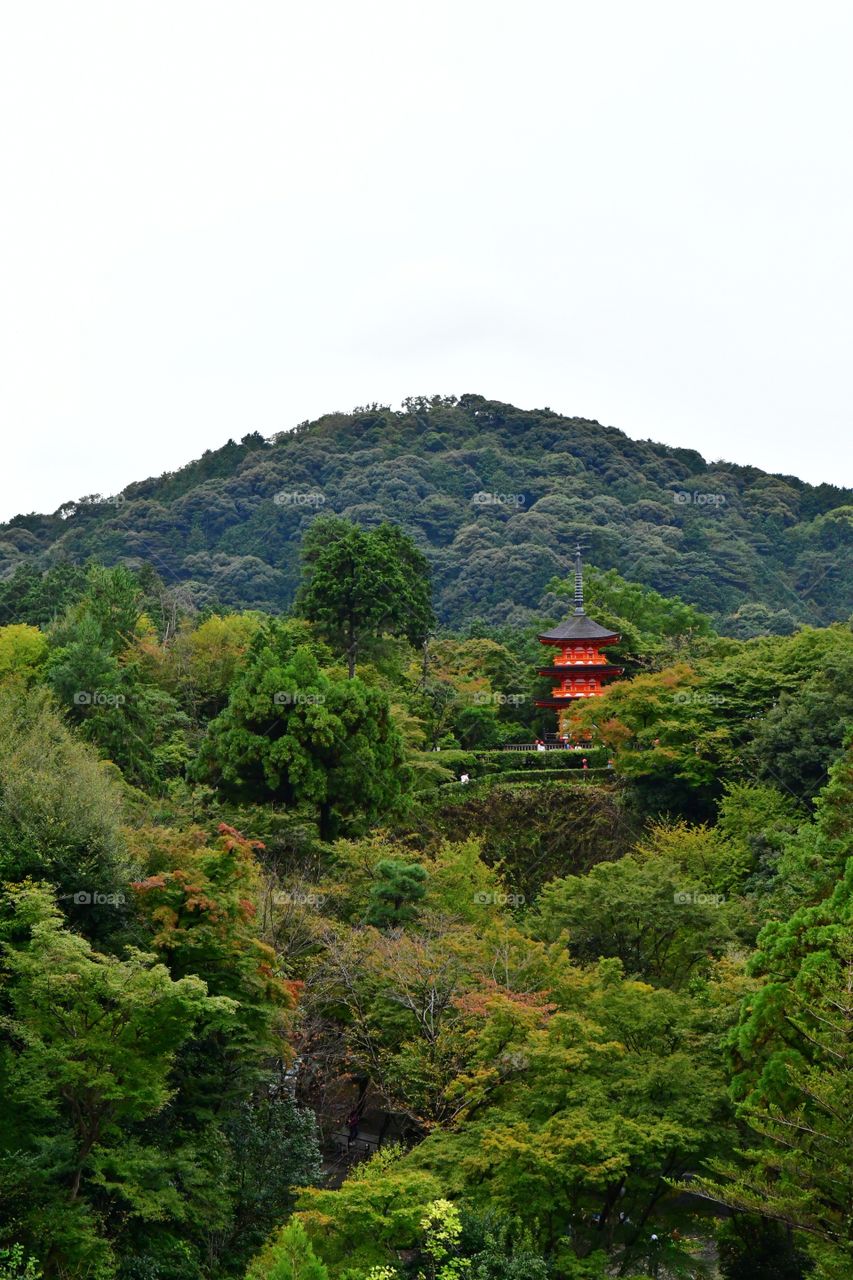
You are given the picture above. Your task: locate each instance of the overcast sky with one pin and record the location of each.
(226, 217)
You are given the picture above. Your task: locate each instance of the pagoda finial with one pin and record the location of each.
(578, 580)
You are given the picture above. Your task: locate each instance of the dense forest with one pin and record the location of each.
(493, 496)
(282, 997)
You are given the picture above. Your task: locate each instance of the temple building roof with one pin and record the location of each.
(579, 627)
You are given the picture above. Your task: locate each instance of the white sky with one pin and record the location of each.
(224, 217)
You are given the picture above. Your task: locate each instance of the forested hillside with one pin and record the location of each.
(494, 496)
(312, 967)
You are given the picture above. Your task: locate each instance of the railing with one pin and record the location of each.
(581, 662)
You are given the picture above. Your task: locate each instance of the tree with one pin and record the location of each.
(801, 735)
(97, 671)
(794, 1053)
(813, 859)
(360, 584)
(204, 661)
(754, 1248)
(375, 1213)
(275, 1149)
(756, 818)
(90, 1041)
(23, 650)
(397, 888)
(299, 735)
(61, 815)
(290, 1257)
(199, 903)
(660, 920)
(28, 596)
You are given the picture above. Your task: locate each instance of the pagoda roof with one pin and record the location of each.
(578, 627)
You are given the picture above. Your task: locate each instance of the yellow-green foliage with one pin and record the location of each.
(23, 650)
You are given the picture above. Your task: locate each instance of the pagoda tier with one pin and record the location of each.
(579, 669)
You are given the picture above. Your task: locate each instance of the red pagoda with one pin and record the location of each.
(579, 669)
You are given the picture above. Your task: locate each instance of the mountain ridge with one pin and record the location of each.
(496, 497)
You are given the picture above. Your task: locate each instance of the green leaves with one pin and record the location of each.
(794, 1051)
(362, 584)
(299, 735)
(90, 1042)
(397, 888)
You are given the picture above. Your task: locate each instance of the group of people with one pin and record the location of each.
(564, 744)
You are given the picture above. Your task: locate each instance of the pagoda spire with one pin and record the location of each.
(578, 580)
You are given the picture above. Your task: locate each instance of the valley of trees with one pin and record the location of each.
(281, 998)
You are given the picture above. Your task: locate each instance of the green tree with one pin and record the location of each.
(376, 1212)
(360, 584)
(299, 735)
(88, 1048)
(794, 1054)
(757, 819)
(199, 903)
(15, 1265)
(39, 598)
(274, 1150)
(661, 910)
(290, 1257)
(23, 650)
(97, 672)
(754, 1248)
(204, 661)
(799, 737)
(61, 814)
(397, 888)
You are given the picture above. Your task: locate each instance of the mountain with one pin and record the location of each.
(496, 496)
